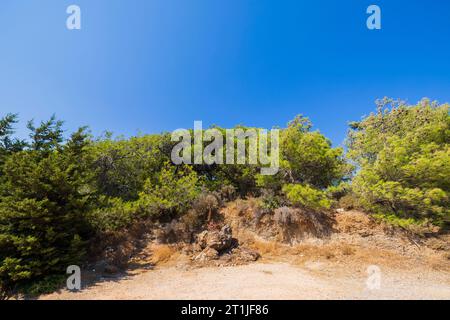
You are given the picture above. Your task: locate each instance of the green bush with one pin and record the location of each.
(338, 191)
(112, 215)
(310, 169)
(43, 204)
(403, 154)
(271, 201)
(46, 285)
(172, 194)
(308, 157)
(307, 197)
(122, 166)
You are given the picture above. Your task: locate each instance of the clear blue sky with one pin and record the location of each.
(158, 65)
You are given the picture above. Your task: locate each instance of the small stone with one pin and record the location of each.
(247, 254)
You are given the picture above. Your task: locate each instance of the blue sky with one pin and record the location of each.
(158, 65)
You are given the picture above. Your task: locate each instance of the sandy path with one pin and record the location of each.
(262, 281)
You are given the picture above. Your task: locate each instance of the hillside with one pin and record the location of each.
(331, 266)
(108, 204)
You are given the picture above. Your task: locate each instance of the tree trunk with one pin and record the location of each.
(209, 215)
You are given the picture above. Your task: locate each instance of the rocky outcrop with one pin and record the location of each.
(220, 246)
(218, 240)
(207, 254)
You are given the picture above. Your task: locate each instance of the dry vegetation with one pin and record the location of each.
(162, 253)
(353, 240)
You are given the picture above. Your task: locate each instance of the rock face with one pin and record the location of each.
(218, 240)
(247, 255)
(206, 255)
(220, 245)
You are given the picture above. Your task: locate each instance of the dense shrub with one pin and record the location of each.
(403, 154)
(348, 202)
(307, 197)
(271, 200)
(172, 194)
(206, 204)
(310, 169)
(286, 216)
(308, 157)
(122, 166)
(44, 200)
(113, 214)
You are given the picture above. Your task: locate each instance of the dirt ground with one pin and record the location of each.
(268, 280)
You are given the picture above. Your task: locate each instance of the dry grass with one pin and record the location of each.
(344, 252)
(163, 253)
(355, 222)
(268, 248)
(358, 241)
(339, 253)
(441, 243)
(244, 209)
(439, 262)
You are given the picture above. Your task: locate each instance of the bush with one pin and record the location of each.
(206, 204)
(307, 197)
(337, 192)
(227, 193)
(122, 166)
(43, 227)
(348, 202)
(403, 153)
(285, 216)
(308, 158)
(193, 219)
(46, 285)
(113, 215)
(173, 193)
(271, 201)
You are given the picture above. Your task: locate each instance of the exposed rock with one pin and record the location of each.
(202, 239)
(206, 255)
(220, 248)
(218, 240)
(247, 254)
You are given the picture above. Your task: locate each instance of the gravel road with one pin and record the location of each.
(263, 281)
